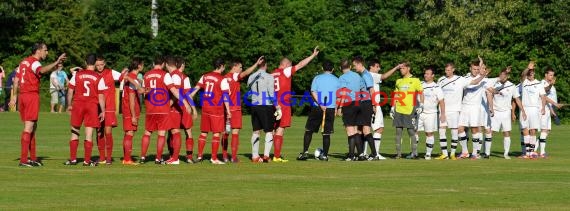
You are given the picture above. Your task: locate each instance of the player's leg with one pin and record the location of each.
(311, 126)
(215, 147)
(545, 126)
(488, 142)
(73, 145)
(217, 128)
(443, 142)
(100, 133)
(368, 138)
(463, 142)
(255, 147)
(235, 145)
(88, 146)
(327, 131)
(33, 156)
(161, 141)
(351, 133)
(506, 144)
(285, 122)
(476, 138)
(28, 114)
(176, 143)
(378, 128)
(189, 146)
(204, 126)
(430, 140)
(412, 133)
(128, 147)
(145, 142)
(399, 131)
(224, 141)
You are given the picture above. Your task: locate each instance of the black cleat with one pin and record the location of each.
(159, 162)
(350, 159)
(323, 158)
(303, 156)
(90, 163)
(190, 160)
(362, 158)
(35, 163)
(25, 165)
(70, 163)
(199, 159)
(486, 157)
(142, 160)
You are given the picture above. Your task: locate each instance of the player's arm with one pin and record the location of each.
(50, 67)
(102, 106)
(490, 99)
(136, 83)
(525, 71)
(390, 72)
(14, 91)
(306, 61)
(132, 104)
(252, 68)
(70, 92)
(521, 108)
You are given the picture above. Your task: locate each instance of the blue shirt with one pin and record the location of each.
(368, 83)
(61, 77)
(326, 86)
(352, 81)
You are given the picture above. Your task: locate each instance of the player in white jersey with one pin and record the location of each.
(500, 96)
(552, 101)
(452, 86)
(428, 120)
(470, 115)
(533, 103)
(378, 117)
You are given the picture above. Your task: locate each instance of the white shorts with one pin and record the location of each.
(427, 122)
(470, 116)
(532, 118)
(501, 119)
(451, 120)
(377, 119)
(485, 117)
(546, 120)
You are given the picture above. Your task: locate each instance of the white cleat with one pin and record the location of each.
(380, 157)
(217, 162)
(507, 157)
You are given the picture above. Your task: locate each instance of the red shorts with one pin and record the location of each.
(187, 121)
(174, 120)
(86, 113)
(128, 124)
(212, 123)
(110, 119)
(235, 121)
(285, 120)
(29, 106)
(156, 122)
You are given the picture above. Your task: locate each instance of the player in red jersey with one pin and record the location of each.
(86, 92)
(216, 92)
(158, 85)
(283, 76)
(28, 80)
(105, 132)
(131, 109)
(187, 120)
(175, 115)
(234, 78)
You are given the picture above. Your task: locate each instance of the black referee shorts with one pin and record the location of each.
(349, 113)
(262, 118)
(364, 115)
(316, 118)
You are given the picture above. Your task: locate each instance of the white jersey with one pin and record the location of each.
(550, 94)
(473, 94)
(377, 79)
(432, 95)
(452, 91)
(530, 91)
(504, 93)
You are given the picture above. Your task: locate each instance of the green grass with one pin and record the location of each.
(335, 185)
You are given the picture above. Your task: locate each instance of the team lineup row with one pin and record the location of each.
(458, 103)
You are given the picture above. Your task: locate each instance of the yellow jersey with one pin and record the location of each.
(406, 90)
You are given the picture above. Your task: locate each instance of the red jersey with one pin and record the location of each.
(29, 75)
(177, 82)
(234, 83)
(87, 85)
(157, 100)
(216, 89)
(282, 79)
(128, 89)
(110, 76)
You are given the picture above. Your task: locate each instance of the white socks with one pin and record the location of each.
(463, 143)
(254, 145)
(507, 145)
(377, 137)
(429, 145)
(268, 143)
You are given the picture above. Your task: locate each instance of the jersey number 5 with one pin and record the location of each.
(87, 90)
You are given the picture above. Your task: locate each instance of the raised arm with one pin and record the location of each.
(525, 71)
(306, 61)
(252, 68)
(50, 67)
(390, 72)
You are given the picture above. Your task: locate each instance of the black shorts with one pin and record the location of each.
(405, 121)
(364, 115)
(349, 113)
(262, 118)
(315, 120)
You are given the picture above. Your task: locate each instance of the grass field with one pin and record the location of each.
(334, 185)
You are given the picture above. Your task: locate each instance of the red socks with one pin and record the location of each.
(25, 144)
(201, 145)
(88, 147)
(73, 144)
(101, 146)
(235, 144)
(189, 146)
(277, 144)
(144, 144)
(225, 146)
(33, 147)
(160, 147)
(215, 146)
(109, 146)
(127, 147)
(176, 144)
